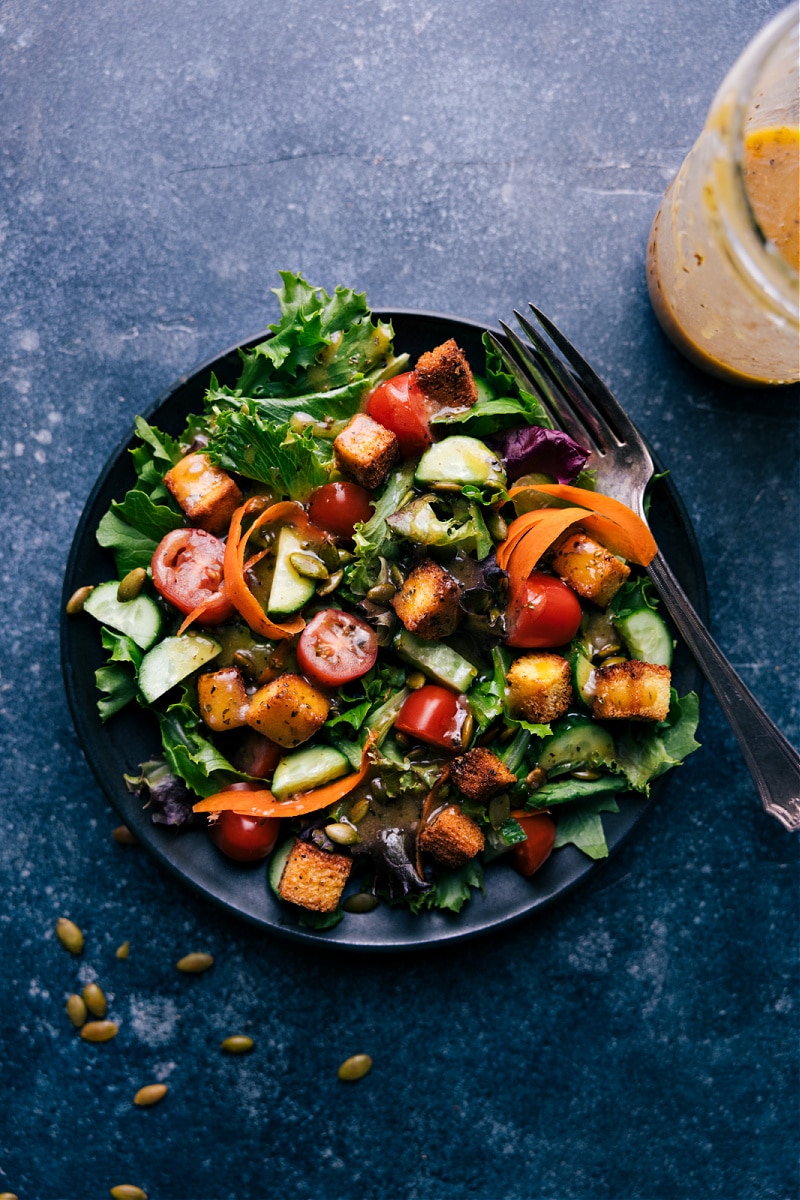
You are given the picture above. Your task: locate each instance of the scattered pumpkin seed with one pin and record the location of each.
(416, 680)
(361, 902)
(131, 584)
(342, 833)
(123, 951)
(308, 565)
(381, 593)
(9, 1196)
(331, 584)
(496, 525)
(127, 1191)
(237, 1043)
(536, 778)
(76, 1010)
(69, 935)
(123, 836)
(150, 1095)
(95, 1000)
(396, 575)
(355, 1067)
(193, 964)
(99, 1031)
(77, 600)
(345, 557)
(359, 810)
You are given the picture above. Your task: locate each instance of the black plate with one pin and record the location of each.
(131, 737)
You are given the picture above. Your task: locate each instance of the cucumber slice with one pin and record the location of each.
(277, 863)
(438, 662)
(582, 676)
(290, 590)
(172, 660)
(647, 637)
(460, 460)
(578, 743)
(307, 769)
(139, 619)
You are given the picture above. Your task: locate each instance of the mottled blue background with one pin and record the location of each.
(160, 163)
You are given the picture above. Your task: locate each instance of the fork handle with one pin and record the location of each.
(773, 761)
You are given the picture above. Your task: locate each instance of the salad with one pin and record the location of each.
(388, 631)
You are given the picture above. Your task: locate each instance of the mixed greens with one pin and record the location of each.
(329, 595)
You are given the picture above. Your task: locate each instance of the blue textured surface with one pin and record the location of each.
(159, 166)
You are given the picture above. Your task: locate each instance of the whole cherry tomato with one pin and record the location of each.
(435, 715)
(188, 571)
(243, 838)
(337, 507)
(545, 613)
(336, 648)
(398, 405)
(526, 857)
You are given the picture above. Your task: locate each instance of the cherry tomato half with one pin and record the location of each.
(546, 613)
(336, 648)
(398, 405)
(435, 715)
(337, 507)
(254, 754)
(526, 857)
(243, 838)
(188, 571)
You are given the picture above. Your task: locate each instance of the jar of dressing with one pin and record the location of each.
(724, 250)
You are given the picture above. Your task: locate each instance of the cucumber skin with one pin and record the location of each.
(277, 863)
(307, 769)
(439, 662)
(433, 466)
(138, 619)
(579, 743)
(289, 590)
(646, 636)
(192, 652)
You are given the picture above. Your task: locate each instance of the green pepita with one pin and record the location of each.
(355, 1067)
(124, 950)
(416, 680)
(123, 836)
(308, 565)
(76, 1010)
(131, 584)
(77, 600)
(99, 1031)
(95, 1000)
(69, 935)
(193, 964)
(127, 1191)
(359, 810)
(382, 593)
(150, 1095)
(496, 525)
(331, 584)
(342, 833)
(361, 902)
(237, 1044)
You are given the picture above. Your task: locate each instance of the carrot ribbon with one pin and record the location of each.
(235, 567)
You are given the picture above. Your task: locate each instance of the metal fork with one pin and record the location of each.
(548, 366)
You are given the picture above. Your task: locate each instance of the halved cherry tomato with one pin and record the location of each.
(398, 405)
(546, 613)
(435, 715)
(188, 571)
(526, 857)
(336, 648)
(255, 754)
(337, 507)
(243, 838)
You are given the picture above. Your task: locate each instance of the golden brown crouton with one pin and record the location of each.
(589, 569)
(205, 492)
(366, 451)
(479, 774)
(445, 377)
(635, 691)
(288, 710)
(539, 688)
(428, 601)
(452, 838)
(314, 878)
(223, 699)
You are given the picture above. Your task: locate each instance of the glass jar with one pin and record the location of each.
(722, 258)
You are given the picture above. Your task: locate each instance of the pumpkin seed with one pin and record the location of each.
(308, 565)
(382, 593)
(193, 964)
(99, 1031)
(76, 1010)
(342, 833)
(359, 810)
(94, 1000)
(127, 1191)
(131, 584)
(9, 1196)
(587, 773)
(536, 778)
(614, 659)
(361, 902)
(496, 525)
(355, 1067)
(77, 600)
(123, 836)
(345, 557)
(237, 1043)
(124, 950)
(331, 584)
(69, 935)
(149, 1095)
(416, 680)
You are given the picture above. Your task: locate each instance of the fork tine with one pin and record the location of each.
(521, 370)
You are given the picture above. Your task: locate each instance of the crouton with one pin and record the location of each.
(205, 492)
(633, 691)
(366, 451)
(452, 838)
(428, 602)
(314, 878)
(479, 774)
(589, 569)
(445, 377)
(223, 699)
(539, 688)
(288, 710)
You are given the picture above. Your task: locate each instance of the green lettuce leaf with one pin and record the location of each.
(584, 827)
(291, 463)
(451, 890)
(646, 751)
(130, 547)
(189, 754)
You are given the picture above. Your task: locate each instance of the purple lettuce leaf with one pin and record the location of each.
(532, 448)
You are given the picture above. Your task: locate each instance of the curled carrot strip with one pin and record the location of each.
(262, 803)
(612, 519)
(535, 538)
(235, 567)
